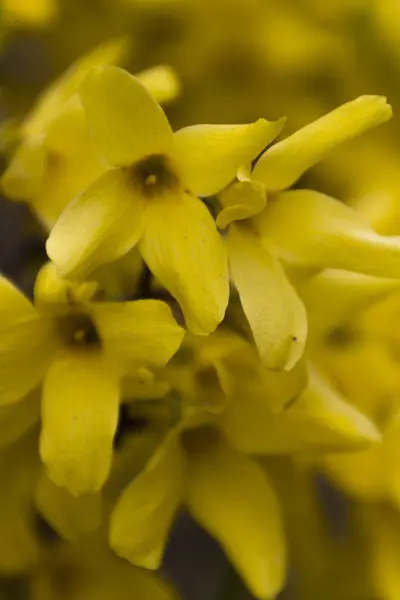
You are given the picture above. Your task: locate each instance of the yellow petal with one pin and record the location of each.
(124, 119)
(241, 201)
(282, 164)
(359, 474)
(19, 418)
(79, 415)
(209, 156)
(19, 469)
(313, 230)
(162, 82)
(99, 226)
(32, 13)
(69, 516)
(54, 98)
(68, 131)
(333, 297)
(318, 419)
(52, 293)
(21, 179)
(231, 497)
(143, 515)
(275, 313)
(183, 249)
(143, 332)
(26, 345)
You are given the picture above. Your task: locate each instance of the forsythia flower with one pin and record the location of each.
(269, 226)
(228, 407)
(81, 350)
(149, 197)
(57, 158)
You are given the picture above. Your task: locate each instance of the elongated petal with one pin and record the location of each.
(333, 296)
(162, 82)
(99, 226)
(143, 515)
(142, 332)
(17, 419)
(319, 419)
(276, 314)
(313, 230)
(284, 163)
(69, 516)
(125, 121)
(241, 201)
(52, 101)
(79, 414)
(21, 179)
(209, 156)
(233, 500)
(183, 249)
(26, 345)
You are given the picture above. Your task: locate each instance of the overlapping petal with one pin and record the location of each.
(125, 121)
(70, 517)
(231, 497)
(79, 420)
(241, 200)
(99, 226)
(143, 515)
(26, 345)
(209, 155)
(183, 249)
(275, 313)
(143, 332)
(311, 229)
(286, 161)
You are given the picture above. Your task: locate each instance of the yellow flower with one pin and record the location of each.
(28, 13)
(302, 228)
(57, 158)
(224, 407)
(81, 349)
(149, 197)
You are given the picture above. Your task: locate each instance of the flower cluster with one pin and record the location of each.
(200, 311)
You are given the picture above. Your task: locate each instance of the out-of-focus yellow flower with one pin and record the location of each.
(28, 13)
(150, 196)
(81, 349)
(57, 158)
(304, 228)
(88, 571)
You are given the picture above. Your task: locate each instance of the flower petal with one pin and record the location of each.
(310, 229)
(333, 297)
(26, 345)
(22, 178)
(231, 497)
(143, 515)
(142, 332)
(319, 419)
(68, 84)
(16, 420)
(162, 82)
(241, 201)
(209, 156)
(99, 226)
(80, 415)
(71, 517)
(183, 249)
(125, 121)
(276, 314)
(282, 164)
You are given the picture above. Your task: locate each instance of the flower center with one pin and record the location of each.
(153, 175)
(77, 330)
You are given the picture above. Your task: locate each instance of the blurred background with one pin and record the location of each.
(236, 61)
